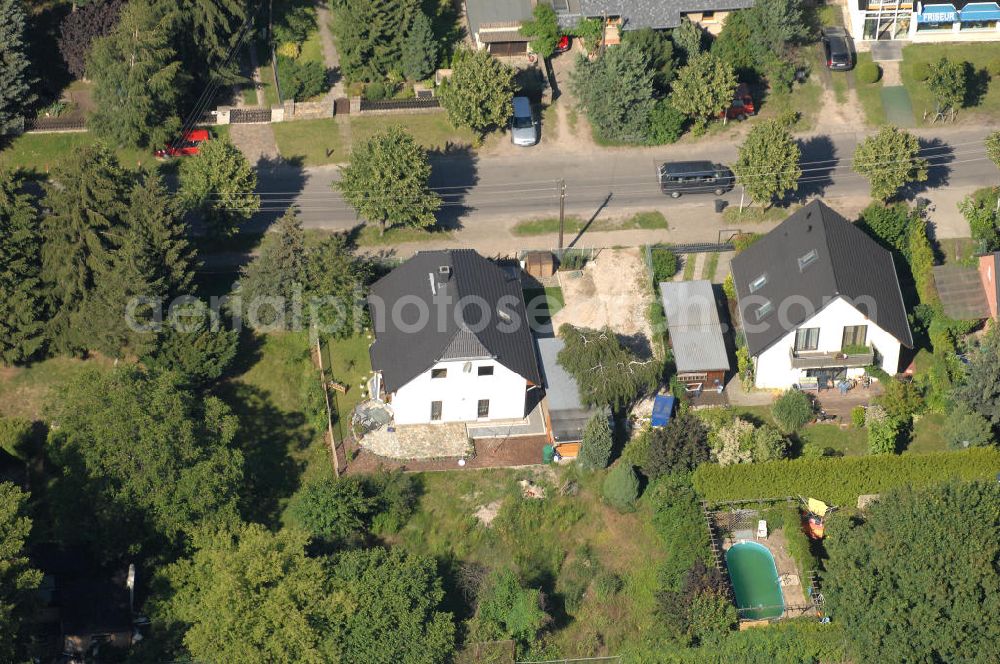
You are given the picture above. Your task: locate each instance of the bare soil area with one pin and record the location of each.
(613, 291)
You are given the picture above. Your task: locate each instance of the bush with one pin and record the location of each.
(729, 288)
(858, 416)
(814, 451)
(883, 431)
(301, 80)
(332, 510)
(664, 264)
(15, 437)
(679, 522)
(840, 480)
(595, 452)
(901, 400)
(606, 584)
(621, 487)
(666, 123)
(922, 71)
(798, 542)
(636, 450)
(678, 447)
(375, 91)
(868, 73)
(964, 427)
(394, 497)
(792, 410)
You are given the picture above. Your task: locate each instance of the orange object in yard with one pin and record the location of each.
(568, 450)
(814, 526)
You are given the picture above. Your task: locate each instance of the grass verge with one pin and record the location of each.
(370, 237)
(710, 266)
(982, 99)
(757, 215)
(651, 220)
(869, 95)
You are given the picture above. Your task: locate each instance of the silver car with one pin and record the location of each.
(523, 128)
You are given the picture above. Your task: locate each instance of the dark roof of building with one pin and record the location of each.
(962, 292)
(841, 260)
(475, 309)
(483, 12)
(656, 14)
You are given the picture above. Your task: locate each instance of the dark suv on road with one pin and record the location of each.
(837, 48)
(694, 177)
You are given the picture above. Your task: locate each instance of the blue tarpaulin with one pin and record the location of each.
(663, 408)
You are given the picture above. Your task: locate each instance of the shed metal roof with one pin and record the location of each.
(694, 325)
(560, 387)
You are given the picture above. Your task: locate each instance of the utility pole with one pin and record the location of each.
(562, 212)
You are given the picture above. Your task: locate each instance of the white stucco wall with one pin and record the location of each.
(459, 394)
(774, 366)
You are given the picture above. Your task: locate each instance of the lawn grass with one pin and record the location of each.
(545, 541)
(542, 304)
(927, 434)
(312, 48)
(984, 100)
(431, 130)
(39, 153)
(369, 236)
(869, 95)
(849, 441)
(711, 264)
(829, 15)
(757, 215)
(314, 142)
(267, 76)
(959, 250)
(24, 390)
(803, 99)
(838, 81)
(652, 220)
(690, 261)
(349, 364)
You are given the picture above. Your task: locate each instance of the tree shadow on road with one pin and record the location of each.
(939, 156)
(279, 182)
(454, 172)
(819, 160)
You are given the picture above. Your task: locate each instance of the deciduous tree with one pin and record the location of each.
(689, 38)
(15, 81)
(948, 84)
(993, 147)
(335, 511)
(768, 162)
(606, 373)
(543, 28)
(18, 581)
(505, 609)
(81, 27)
(890, 160)
(479, 93)
(22, 306)
(219, 183)
(387, 181)
(922, 549)
(137, 79)
(616, 90)
(142, 461)
(249, 594)
(704, 88)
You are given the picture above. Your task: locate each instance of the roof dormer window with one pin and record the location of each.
(764, 309)
(758, 283)
(807, 260)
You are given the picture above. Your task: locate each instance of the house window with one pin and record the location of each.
(807, 338)
(439, 373)
(855, 335)
(435, 411)
(483, 408)
(758, 283)
(486, 370)
(764, 309)
(708, 16)
(807, 260)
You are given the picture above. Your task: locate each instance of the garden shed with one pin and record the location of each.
(695, 333)
(567, 415)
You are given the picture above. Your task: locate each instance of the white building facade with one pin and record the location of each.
(815, 349)
(873, 20)
(473, 390)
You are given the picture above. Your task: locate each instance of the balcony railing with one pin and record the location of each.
(831, 360)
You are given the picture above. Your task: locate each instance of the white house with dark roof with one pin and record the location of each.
(819, 301)
(452, 340)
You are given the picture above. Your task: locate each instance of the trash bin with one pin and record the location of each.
(720, 205)
(548, 454)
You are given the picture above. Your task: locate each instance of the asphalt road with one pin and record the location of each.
(489, 192)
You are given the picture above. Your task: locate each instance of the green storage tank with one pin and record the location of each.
(548, 453)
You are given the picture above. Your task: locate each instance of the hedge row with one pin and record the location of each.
(840, 480)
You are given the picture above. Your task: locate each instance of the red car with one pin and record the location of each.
(742, 106)
(564, 44)
(188, 145)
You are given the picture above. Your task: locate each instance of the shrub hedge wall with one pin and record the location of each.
(840, 480)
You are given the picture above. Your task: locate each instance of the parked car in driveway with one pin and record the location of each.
(742, 106)
(694, 177)
(838, 49)
(523, 127)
